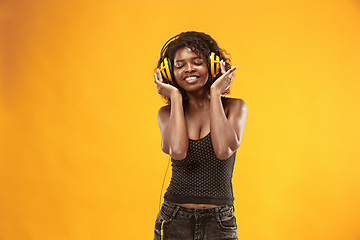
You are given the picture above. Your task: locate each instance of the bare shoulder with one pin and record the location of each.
(235, 105)
(164, 114)
(164, 111)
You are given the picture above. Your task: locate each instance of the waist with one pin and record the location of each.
(198, 205)
(171, 209)
(210, 200)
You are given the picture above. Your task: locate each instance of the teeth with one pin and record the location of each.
(190, 78)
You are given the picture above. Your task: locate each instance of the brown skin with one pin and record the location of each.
(205, 112)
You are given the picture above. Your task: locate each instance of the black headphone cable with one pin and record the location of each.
(163, 183)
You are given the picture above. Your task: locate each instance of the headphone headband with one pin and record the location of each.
(165, 45)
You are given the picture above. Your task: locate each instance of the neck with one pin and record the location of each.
(198, 100)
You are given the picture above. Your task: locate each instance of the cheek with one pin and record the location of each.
(203, 68)
(204, 71)
(177, 74)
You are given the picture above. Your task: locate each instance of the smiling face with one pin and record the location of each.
(190, 69)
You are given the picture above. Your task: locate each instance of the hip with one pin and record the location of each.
(178, 222)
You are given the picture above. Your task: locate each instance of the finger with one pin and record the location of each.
(231, 70)
(157, 80)
(222, 66)
(228, 76)
(231, 75)
(228, 79)
(160, 76)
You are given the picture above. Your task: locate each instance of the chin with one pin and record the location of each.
(195, 88)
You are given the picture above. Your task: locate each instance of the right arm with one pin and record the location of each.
(172, 123)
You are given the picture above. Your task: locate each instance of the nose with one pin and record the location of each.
(189, 67)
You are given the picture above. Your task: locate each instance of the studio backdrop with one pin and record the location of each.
(80, 146)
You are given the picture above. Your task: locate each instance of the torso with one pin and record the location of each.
(198, 124)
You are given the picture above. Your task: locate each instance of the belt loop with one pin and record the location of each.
(175, 211)
(217, 215)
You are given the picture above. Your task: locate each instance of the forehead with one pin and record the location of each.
(185, 53)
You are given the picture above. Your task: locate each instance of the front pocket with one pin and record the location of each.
(227, 223)
(161, 220)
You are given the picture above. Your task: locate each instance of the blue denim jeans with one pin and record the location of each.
(182, 223)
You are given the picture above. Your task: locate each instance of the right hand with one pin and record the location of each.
(164, 89)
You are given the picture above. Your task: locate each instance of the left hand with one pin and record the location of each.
(223, 82)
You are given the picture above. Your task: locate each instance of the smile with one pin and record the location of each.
(190, 79)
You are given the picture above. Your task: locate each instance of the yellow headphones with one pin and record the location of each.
(167, 70)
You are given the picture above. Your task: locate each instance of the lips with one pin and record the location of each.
(191, 78)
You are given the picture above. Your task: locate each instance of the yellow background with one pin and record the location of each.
(80, 145)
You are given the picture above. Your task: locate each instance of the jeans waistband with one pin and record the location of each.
(172, 209)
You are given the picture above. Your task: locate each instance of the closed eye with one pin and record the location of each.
(196, 61)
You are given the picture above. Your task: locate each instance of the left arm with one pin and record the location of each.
(226, 131)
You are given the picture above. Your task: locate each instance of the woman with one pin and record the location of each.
(201, 131)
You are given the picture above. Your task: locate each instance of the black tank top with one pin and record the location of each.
(201, 177)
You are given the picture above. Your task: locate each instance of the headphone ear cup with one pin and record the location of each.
(166, 70)
(214, 64)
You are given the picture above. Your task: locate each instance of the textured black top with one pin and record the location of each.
(201, 177)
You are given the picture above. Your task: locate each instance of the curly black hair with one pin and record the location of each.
(201, 44)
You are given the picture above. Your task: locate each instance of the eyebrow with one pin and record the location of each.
(184, 60)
